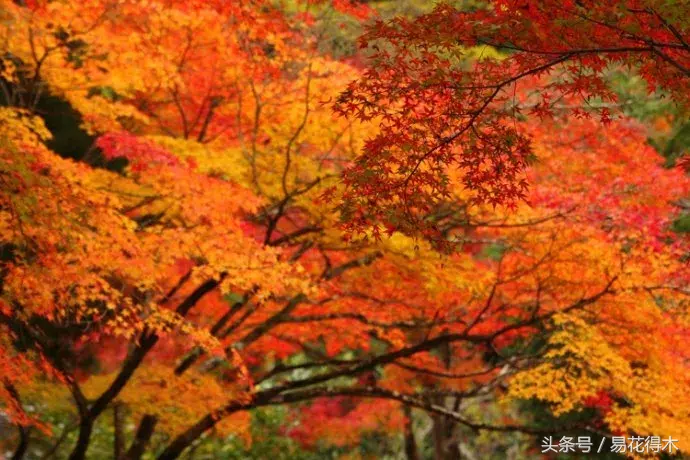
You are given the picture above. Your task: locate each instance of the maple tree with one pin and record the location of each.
(439, 110)
(190, 268)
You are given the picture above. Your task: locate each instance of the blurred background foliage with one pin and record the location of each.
(669, 133)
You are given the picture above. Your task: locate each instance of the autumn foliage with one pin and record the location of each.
(436, 109)
(460, 223)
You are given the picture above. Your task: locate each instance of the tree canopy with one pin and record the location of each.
(225, 228)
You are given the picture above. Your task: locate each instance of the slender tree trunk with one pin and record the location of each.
(85, 429)
(119, 440)
(445, 445)
(141, 438)
(23, 445)
(438, 437)
(452, 450)
(411, 451)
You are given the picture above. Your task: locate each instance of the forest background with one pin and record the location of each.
(340, 229)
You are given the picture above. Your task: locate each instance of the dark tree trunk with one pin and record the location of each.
(411, 451)
(23, 445)
(141, 438)
(85, 429)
